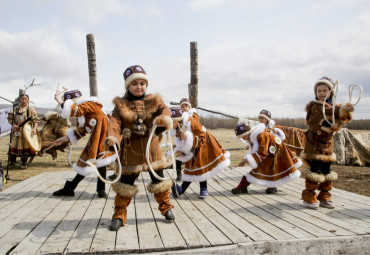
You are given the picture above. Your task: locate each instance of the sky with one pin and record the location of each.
(252, 55)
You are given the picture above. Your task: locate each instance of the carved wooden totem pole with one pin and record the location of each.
(193, 85)
(90, 41)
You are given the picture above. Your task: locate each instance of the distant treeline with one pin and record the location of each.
(217, 122)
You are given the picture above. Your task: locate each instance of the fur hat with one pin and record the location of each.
(185, 101)
(71, 94)
(176, 113)
(242, 129)
(326, 81)
(134, 72)
(265, 114)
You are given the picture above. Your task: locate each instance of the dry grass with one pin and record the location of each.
(39, 164)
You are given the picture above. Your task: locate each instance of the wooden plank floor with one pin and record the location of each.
(32, 221)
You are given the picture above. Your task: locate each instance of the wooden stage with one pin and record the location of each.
(35, 222)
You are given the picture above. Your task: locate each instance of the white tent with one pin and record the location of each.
(4, 124)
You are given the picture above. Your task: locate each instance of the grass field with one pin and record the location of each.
(354, 179)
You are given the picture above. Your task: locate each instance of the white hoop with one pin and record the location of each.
(98, 174)
(351, 87)
(172, 156)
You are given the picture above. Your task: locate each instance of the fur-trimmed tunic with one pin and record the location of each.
(272, 163)
(204, 157)
(123, 129)
(319, 136)
(19, 146)
(90, 120)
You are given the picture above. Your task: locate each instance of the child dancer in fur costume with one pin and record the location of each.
(272, 163)
(199, 150)
(185, 106)
(264, 117)
(132, 117)
(90, 120)
(318, 151)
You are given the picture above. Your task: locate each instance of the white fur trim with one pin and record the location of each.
(81, 121)
(251, 161)
(191, 111)
(85, 171)
(185, 118)
(280, 133)
(186, 157)
(264, 116)
(199, 178)
(227, 154)
(71, 135)
(272, 184)
(185, 145)
(136, 76)
(256, 130)
(82, 100)
(66, 111)
(106, 161)
(299, 164)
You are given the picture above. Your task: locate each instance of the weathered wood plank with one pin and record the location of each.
(346, 216)
(279, 218)
(148, 234)
(37, 237)
(315, 218)
(189, 231)
(20, 209)
(170, 234)
(104, 240)
(218, 202)
(10, 210)
(204, 225)
(346, 203)
(84, 233)
(223, 224)
(245, 210)
(17, 188)
(60, 237)
(18, 191)
(127, 239)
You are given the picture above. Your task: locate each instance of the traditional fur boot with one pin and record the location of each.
(161, 191)
(120, 212)
(68, 190)
(309, 195)
(125, 192)
(242, 187)
(324, 196)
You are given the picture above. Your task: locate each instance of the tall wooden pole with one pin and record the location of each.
(193, 85)
(91, 57)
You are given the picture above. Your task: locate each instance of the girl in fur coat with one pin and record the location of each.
(132, 117)
(272, 163)
(202, 154)
(185, 106)
(318, 151)
(92, 120)
(264, 117)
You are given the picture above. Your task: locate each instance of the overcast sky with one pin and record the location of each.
(253, 55)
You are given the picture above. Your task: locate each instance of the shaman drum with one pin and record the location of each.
(34, 141)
